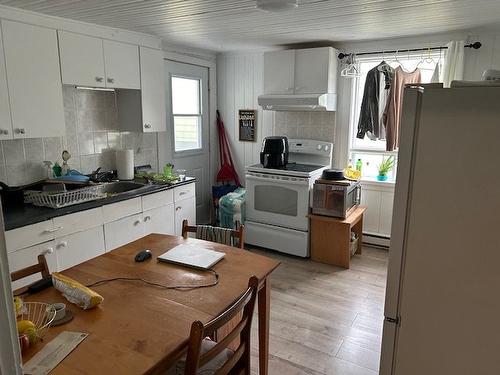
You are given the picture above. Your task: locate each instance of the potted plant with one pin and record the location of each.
(385, 167)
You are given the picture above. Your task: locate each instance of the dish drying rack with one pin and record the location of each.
(63, 199)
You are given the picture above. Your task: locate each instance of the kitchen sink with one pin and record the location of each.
(120, 187)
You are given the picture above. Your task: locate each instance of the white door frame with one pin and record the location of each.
(10, 355)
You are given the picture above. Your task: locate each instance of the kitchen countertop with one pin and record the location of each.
(26, 214)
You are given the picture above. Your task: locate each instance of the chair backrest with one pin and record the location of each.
(41, 267)
(235, 234)
(240, 360)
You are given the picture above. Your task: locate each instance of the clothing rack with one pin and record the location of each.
(475, 45)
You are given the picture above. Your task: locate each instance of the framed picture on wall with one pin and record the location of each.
(247, 120)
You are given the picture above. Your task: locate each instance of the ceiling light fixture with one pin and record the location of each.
(277, 5)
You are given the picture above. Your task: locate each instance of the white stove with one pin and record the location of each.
(278, 200)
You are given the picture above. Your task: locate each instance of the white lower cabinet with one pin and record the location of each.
(378, 199)
(27, 257)
(79, 247)
(159, 220)
(72, 239)
(185, 209)
(123, 231)
(371, 219)
(386, 206)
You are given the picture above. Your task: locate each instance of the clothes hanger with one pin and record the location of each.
(429, 58)
(396, 59)
(422, 59)
(351, 70)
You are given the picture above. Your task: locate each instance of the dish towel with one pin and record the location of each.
(453, 68)
(214, 234)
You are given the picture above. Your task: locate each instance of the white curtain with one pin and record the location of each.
(453, 68)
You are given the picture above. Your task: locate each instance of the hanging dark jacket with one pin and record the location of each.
(369, 116)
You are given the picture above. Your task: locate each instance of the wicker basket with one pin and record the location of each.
(41, 314)
(67, 198)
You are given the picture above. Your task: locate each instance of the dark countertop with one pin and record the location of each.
(26, 214)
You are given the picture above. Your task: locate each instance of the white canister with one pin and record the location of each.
(125, 164)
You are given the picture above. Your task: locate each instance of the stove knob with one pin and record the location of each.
(326, 148)
(318, 147)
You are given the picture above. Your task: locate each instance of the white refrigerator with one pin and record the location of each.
(442, 308)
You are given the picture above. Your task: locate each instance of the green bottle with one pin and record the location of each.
(359, 164)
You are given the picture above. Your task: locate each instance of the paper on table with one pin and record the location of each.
(53, 353)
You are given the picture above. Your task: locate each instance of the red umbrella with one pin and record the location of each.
(227, 172)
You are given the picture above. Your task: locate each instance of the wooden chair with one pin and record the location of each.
(40, 267)
(238, 234)
(215, 357)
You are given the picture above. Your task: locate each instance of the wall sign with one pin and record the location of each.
(247, 120)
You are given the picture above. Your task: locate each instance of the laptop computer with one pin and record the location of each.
(191, 256)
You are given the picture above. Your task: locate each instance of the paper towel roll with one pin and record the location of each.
(125, 164)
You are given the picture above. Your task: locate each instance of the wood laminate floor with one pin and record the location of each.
(325, 319)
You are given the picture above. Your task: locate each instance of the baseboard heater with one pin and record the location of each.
(376, 240)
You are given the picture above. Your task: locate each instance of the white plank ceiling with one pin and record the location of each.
(224, 25)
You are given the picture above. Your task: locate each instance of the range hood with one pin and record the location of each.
(298, 102)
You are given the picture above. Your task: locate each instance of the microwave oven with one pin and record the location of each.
(335, 198)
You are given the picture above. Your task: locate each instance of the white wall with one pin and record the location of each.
(239, 83)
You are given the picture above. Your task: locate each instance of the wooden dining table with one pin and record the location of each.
(142, 329)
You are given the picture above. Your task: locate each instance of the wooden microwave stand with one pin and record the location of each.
(331, 237)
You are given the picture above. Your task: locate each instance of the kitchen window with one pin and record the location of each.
(186, 111)
(373, 152)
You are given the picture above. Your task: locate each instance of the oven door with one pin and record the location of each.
(278, 200)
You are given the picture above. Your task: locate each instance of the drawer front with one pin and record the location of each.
(123, 231)
(79, 247)
(183, 192)
(30, 235)
(157, 200)
(78, 221)
(115, 211)
(27, 257)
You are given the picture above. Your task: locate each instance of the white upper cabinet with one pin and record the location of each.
(82, 60)
(153, 88)
(315, 71)
(34, 81)
(89, 61)
(121, 62)
(279, 72)
(5, 119)
(302, 71)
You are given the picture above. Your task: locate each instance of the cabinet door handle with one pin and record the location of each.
(147, 218)
(137, 222)
(99, 79)
(111, 80)
(62, 244)
(48, 250)
(178, 208)
(147, 126)
(20, 131)
(53, 230)
(183, 193)
(4, 131)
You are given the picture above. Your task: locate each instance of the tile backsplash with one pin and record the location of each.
(92, 135)
(305, 125)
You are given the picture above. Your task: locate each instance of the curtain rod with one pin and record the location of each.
(342, 55)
